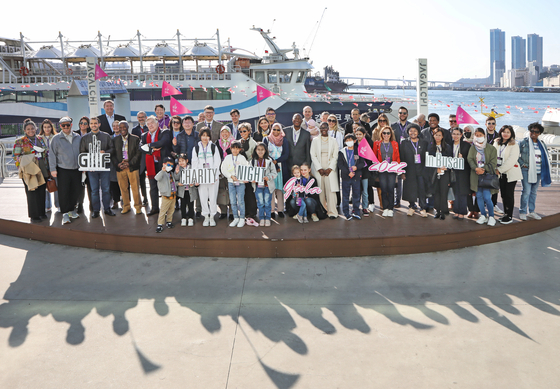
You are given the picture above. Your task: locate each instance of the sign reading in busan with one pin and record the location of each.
(95, 160)
(199, 176)
(439, 160)
(250, 173)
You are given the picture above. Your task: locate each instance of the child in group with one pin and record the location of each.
(265, 188)
(298, 198)
(183, 192)
(236, 188)
(350, 165)
(167, 187)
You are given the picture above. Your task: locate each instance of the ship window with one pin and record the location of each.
(141, 94)
(285, 77)
(272, 77)
(300, 77)
(46, 96)
(25, 97)
(60, 95)
(259, 77)
(7, 96)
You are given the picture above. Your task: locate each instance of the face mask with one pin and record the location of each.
(468, 135)
(349, 143)
(168, 168)
(479, 139)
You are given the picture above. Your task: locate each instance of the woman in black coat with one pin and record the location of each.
(413, 152)
(438, 178)
(461, 185)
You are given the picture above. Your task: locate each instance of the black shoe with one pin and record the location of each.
(108, 212)
(36, 220)
(506, 220)
(115, 205)
(442, 217)
(159, 228)
(153, 212)
(281, 215)
(95, 215)
(198, 214)
(80, 208)
(332, 217)
(231, 218)
(145, 202)
(169, 225)
(273, 215)
(223, 215)
(437, 215)
(397, 205)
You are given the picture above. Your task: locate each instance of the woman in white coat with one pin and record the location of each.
(206, 155)
(324, 159)
(508, 169)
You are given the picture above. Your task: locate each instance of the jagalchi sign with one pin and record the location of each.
(440, 161)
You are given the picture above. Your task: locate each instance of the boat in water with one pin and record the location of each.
(42, 82)
(330, 82)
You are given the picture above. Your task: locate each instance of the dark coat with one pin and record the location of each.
(410, 184)
(431, 172)
(342, 165)
(139, 130)
(348, 127)
(426, 134)
(164, 142)
(461, 186)
(134, 153)
(398, 132)
(104, 123)
(300, 152)
(320, 211)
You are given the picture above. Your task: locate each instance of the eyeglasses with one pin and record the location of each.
(382, 121)
(403, 113)
(331, 120)
(276, 129)
(535, 132)
(386, 133)
(491, 123)
(452, 121)
(243, 131)
(270, 114)
(176, 122)
(84, 123)
(65, 125)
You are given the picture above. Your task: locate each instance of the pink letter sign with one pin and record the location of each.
(393, 167)
(291, 186)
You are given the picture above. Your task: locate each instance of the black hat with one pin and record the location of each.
(168, 159)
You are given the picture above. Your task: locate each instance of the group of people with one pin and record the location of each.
(317, 159)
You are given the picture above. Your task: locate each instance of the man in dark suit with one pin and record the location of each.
(233, 126)
(138, 131)
(400, 129)
(106, 120)
(300, 142)
(427, 133)
(126, 159)
(155, 146)
(356, 119)
(214, 126)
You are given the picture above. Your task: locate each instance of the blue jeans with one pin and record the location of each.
(97, 180)
(529, 193)
(237, 199)
(353, 184)
(263, 202)
(365, 197)
(302, 209)
(483, 196)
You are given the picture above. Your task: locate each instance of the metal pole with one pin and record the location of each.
(180, 52)
(23, 49)
(100, 48)
(219, 48)
(62, 51)
(140, 48)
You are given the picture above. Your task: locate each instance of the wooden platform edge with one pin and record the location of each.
(287, 248)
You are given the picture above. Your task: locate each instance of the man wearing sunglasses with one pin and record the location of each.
(400, 129)
(63, 162)
(453, 123)
(491, 135)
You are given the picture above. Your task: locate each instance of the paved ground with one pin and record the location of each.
(484, 317)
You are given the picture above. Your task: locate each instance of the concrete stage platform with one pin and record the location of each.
(374, 235)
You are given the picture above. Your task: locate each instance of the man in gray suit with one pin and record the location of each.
(300, 143)
(214, 126)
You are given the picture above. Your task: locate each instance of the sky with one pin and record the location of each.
(378, 39)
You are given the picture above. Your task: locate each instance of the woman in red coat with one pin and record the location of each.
(387, 149)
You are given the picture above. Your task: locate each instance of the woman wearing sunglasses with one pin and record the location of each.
(382, 121)
(387, 150)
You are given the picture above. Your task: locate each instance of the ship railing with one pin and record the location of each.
(133, 77)
(7, 163)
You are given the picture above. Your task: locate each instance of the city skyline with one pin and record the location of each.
(385, 41)
(518, 52)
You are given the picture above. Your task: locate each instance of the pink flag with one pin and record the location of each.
(99, 73)
(177, 108)
(365, 151)
(169, 90)
(463, 117)
(262, 93)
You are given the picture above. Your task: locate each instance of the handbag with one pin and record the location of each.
(51, 185)
(488, 181)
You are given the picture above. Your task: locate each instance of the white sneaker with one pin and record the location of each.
(497, 209)
(241, 222)
(234, 222)
(523, 216)
(534, 216)
(390, 213)
(183, 222)
(491, 221)
(482, 219)
(371, 207)
(384, 212)
(73, 214)
(212, 222)
(191, 222)
(206, 221)
(65, 219)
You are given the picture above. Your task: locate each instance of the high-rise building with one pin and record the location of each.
(497, 55)
(518, 60)
(535, 49)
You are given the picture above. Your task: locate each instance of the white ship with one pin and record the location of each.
(36, 78)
